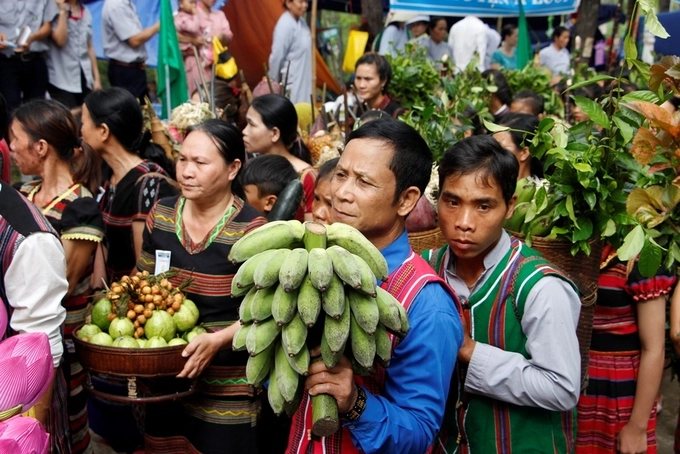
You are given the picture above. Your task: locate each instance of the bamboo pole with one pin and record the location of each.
(315, 4)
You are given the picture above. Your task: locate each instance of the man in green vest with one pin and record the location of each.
(519, 367)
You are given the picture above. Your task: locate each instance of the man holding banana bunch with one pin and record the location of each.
(519, 366)
(380, 176)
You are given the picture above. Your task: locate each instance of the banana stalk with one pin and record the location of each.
(325, 419)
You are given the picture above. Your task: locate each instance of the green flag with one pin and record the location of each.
(523, 52)
(172, 80)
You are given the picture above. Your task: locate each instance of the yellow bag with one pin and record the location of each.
(356, 44)
(225, 64)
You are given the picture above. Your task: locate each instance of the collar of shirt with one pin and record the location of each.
(492, 258)
(397, 252)
(502, 110)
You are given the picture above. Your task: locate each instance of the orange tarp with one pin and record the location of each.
(252, 22)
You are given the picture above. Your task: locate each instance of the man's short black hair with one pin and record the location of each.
(485, 154)
(531, 99)
(558, 32)
(270, 173)
(503, 93)
(412, 159)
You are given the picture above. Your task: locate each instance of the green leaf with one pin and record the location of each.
(591, 198)
(493, 127)
(642, 95)
(590, 81)
(653, 25)
(593, 110)
(642, 68)
(650, 259)
(627, 131)
(570, 209)
(629, 48)
(427, 113)
(583, 167)
(674, 250)
(632, 244)
(585, 230)
(609, 229)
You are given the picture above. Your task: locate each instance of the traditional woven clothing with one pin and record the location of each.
(128, 201)
(222, 415)
(607, 403)
(492, 420)
(405, 402)
(75, 215)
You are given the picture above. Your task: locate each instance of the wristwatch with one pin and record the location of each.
(358, 408)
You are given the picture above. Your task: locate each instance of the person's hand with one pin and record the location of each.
(337, 381)
(3, 38)
(632, 440)
(198, 41)
(97, 85)
(62, 4)
(200, 351)
(465, 352)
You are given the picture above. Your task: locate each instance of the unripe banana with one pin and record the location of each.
(363, 344)
(261, 308)
(388, 310)
(405, 325)
(515, 222)
(267, 272)
(284, 305)
(336, 331)
(294, 336)
(274, 396)
(368, 279)
(308, 302)
(355, 242)
(345, 266)
(286, 378)
(525, 190)
(239, 341)
(333, 299)
(244, 276)
(259, 366)
(320, 269)
(292, 406)
(244, 310)
(273, 235)
(294, 269)
(261, 336)
(300, 362)
(383, 346)
(541, 225)
(239, 291)
(365, 310)
(330, 358)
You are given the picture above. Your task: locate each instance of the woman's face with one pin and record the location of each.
(438, 33)
(90, 132)
(202, 173)
(513, 37)
(27, 155)
(257, 138)
(322, 204)
(368, 84)
(297, 7)
(208, 3)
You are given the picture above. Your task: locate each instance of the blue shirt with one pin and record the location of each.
(409, 413)
(506, 62)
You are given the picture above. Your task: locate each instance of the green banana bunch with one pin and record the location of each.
(542, 225)
(289, 289)
(525, 189)
(514, 224)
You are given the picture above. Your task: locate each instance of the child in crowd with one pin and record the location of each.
(321, 207)
(263, 178)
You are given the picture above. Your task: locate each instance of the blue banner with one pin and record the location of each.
(485, 8)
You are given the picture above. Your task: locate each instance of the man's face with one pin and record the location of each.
(562, 41)
(362, 190)
(471, 214)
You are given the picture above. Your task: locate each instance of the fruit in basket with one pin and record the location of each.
(88, 331)
(177, 341)
(422, 218)
(100, 313)
(102, 339)
(195, 331)
(161, 325)
(126, 342)
(141, 342)
(156, 342)
(121, 327)
(186, 316)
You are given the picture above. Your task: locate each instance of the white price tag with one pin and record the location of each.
(162, 262)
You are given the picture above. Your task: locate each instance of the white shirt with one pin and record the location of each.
(466, 37)
(35, 284)
(493, 40)
(120, 22)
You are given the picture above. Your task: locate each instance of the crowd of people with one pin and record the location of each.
(491, 362)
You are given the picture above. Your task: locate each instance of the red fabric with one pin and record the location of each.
(5, 163)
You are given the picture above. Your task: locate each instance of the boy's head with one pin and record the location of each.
(477, 179)
(263, 178)
(322, 204)
(528, 102)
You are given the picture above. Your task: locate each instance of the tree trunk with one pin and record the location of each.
(586, 25)
(664, 6)
(373, 14)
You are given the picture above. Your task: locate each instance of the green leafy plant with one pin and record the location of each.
(414, 77)
(538, 80)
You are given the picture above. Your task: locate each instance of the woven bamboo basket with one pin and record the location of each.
(429, 239)
(584, 271)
